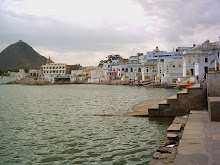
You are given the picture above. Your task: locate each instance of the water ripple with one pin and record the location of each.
(54, 125)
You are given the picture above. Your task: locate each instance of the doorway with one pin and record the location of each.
(206, 69)
(192, 72)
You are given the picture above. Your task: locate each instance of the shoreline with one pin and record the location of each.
(147, 84)
(167, 150)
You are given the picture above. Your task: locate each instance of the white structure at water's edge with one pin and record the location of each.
(200, 60)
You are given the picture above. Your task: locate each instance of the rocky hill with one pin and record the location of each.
(21, 56)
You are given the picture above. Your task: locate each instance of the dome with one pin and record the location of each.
(157, 49)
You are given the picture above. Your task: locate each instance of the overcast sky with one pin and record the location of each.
(86, 31)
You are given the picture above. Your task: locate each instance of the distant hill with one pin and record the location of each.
(21, 56)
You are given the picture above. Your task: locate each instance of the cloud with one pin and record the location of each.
(85, 31)
(180, 19)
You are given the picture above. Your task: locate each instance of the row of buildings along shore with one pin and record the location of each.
(156, 66)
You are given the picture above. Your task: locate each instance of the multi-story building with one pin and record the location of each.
(54, 72)
(154, 56)
(149, 71)
(97, 75)
(120, 69)
(134, 69)
(201, 59)
(169, 70)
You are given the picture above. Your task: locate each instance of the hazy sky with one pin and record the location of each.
(86, 31)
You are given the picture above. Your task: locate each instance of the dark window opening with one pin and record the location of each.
(192, 72)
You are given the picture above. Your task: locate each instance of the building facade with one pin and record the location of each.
(200, 60)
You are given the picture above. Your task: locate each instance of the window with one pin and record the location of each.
(131, 69)
(139, 69)
(147, 70)
(206, 59)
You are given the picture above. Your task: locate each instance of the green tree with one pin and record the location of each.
(110, 58)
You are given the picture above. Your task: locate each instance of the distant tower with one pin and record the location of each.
(49, 61)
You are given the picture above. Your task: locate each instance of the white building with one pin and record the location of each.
(97, 75)
(34, 72)
(134, 69)
(13, 76)
(149, 71)
(53, 70)
(120, 69)
(201, 59)
(169, 70)
(154, 56)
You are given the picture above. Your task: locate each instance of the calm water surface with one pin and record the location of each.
(54, 125)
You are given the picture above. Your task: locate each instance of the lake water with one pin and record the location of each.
(54, 124)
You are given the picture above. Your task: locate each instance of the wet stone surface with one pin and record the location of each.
(167, 150)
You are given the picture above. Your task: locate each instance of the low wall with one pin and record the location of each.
(214, 108)
(213, 87)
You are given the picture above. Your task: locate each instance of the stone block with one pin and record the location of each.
(172, 136)
(214, 108)
(174, 128)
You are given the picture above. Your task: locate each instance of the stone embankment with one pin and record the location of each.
(167, 150)
(148, 84)
(194, 140)
(31, 81)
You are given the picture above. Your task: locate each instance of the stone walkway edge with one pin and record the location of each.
(196, 142)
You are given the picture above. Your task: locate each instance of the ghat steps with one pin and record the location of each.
(192, 98)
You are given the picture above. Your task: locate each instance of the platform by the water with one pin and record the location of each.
(200, 143)
(141, 109)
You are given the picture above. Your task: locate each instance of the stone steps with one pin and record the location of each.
(181, 103)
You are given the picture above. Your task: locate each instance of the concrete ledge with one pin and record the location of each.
(214, 108)
(192, 159)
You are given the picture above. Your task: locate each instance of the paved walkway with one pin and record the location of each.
(200, 143)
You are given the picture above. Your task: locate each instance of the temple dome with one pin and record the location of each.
(157, 49)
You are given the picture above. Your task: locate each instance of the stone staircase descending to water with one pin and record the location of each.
(192, 98)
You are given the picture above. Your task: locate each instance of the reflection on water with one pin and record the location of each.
(54, 125)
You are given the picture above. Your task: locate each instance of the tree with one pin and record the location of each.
(110, 58)
(102, 62)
